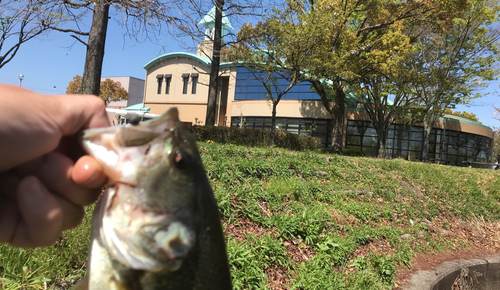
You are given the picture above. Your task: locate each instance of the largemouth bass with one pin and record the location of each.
(158, 225)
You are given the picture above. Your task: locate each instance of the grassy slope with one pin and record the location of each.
(308, 221)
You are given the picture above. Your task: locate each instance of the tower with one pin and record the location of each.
(206, 46)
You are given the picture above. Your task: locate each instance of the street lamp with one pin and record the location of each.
(21, 78)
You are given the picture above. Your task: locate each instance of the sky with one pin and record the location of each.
(50, 61)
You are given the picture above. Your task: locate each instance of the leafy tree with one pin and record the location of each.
(275, 59)
(451, 59)
(110, 91)
(383, 100)
(464, 114)
(349, 38)
(496, 145)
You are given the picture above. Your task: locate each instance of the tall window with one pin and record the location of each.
(160, 81)
(168, 78)
(194, 79)
(185, 80)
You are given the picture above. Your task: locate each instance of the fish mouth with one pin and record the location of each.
(121, 148)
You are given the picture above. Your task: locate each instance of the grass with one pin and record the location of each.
(303, 220)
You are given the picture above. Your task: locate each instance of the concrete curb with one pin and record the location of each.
(484, 274)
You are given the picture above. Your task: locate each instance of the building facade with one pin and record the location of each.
(135, 89)
(181, 80)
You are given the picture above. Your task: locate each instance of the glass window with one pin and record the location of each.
(354, 140)
(389, 143)
(185, 81)
(370, 141)
(452, 159)
(370, 151)
(452, 150)
(419, 136)
(404, 145)
(416, 145)
(370, 132)
(415, 155)
(351, 130)
(160, 81)
(167, 85)
(195, 82)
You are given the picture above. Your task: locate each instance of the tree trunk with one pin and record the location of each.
(273, 123)
(401, 130)
(382, 140)
(427, 131)
(338, 110)
(213, 87)
(91, 81)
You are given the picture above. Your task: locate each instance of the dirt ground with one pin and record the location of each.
(483, 240)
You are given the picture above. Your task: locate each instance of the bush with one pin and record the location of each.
(353, 152)
(254, 137)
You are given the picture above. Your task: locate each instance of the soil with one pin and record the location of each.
(426, 262)
(471, 240)
(483, 239)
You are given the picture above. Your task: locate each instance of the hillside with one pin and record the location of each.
(302, 220)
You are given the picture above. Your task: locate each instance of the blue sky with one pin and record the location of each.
(49, 62)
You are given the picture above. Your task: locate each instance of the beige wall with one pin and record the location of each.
(285, 108)
(190, 106)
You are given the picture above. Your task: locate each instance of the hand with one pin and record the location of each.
(45, 178)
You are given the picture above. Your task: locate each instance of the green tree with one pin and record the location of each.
(450, 60)
(275, 59)
(349, 40)
(496, 145)
(384, 98)
(464, 114)
(110, 91)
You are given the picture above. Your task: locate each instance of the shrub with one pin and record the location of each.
(353, 152)
(254, 137)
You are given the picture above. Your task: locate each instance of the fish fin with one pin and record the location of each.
(83, 284)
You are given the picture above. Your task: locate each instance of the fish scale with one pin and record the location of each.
(158, 225)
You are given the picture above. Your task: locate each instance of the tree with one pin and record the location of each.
(383, 99)
(496, 145)
(350, 40)
(464, 114)
(450, 60)
(213, 88)
(139, 17)
(275, 59)
(497, 113)
(110, 91)
(21, 21)
(221, 38)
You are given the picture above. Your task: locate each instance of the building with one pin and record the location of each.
(135, 89)
(180, 79)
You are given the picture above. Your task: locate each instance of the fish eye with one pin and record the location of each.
(182, 160)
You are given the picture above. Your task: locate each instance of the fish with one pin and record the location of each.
(157, 226)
